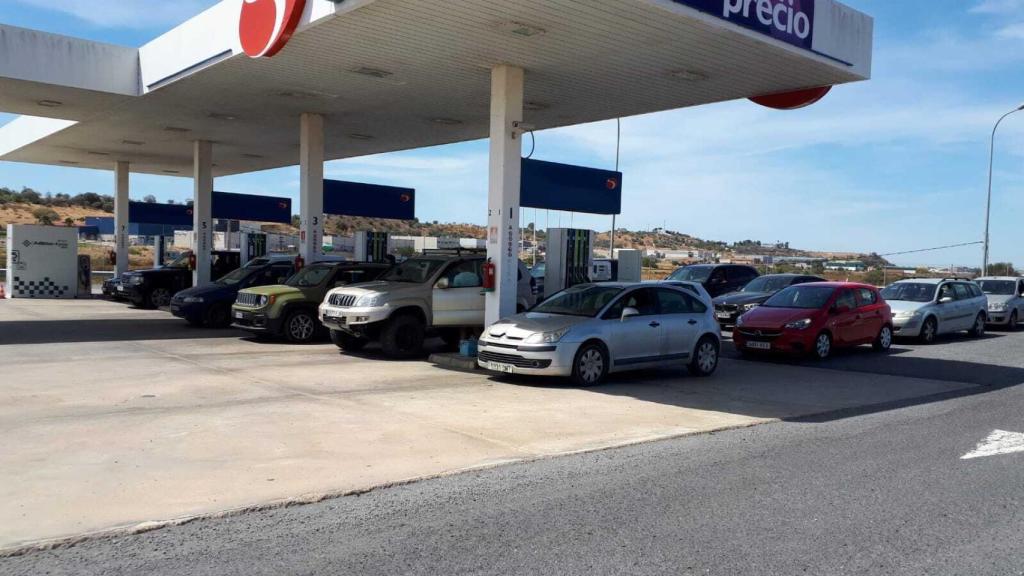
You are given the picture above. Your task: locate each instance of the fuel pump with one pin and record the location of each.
(372, 247)
(569, 258)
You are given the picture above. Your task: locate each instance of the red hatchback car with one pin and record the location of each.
(815, 319)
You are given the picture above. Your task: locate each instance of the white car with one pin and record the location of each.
(1005, 300)
(925, 308)
(589, 331)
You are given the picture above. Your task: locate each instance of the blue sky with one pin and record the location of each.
(898, 163)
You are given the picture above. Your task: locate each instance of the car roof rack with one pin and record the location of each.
(939, 278)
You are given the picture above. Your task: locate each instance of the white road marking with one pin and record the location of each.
(998, 442)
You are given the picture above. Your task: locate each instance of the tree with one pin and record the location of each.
(69, 222)
(1002, 269)
(296, 221)
(149, 199)
(31, 196)
(875, 277)
(171, 201)
(45, 216)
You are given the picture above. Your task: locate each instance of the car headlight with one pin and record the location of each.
(135, 279)
(264, 300)
(800, 324)
(370, 301)
(997, 306)
(193, 300)
(748, 307)
(546, 337)
(740, 321)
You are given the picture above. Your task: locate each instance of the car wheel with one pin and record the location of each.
(884, 340)
(403, 337)
(348, 342)
(929, 331)
(979, 326)
(158, 297)
(705, 360)
(218, 316)
(590, 367)
(300, 327)
(823, 346)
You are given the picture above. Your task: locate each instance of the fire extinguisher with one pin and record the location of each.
(192, 261)
(112, 256)
(490, 276)
(300, 263)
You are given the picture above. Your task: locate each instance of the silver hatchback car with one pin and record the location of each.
(1005, 299)
(589, 331)
(927, 307)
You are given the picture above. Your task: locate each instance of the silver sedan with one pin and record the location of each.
(589, 331)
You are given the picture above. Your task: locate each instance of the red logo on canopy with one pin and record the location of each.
(265, 26)
(405, 198)
(612, 183)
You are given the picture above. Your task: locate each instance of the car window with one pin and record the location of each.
(962, 292)
(867, 297)
(846, 298)
(353, 275)
(673, 302)
(311, 275)
(976, 290)
(741, 274)
(946, 291)
(464, 274)
(281, 272)
(644, 300)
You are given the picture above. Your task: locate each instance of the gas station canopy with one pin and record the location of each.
(392, 75)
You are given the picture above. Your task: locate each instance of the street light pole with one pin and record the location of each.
(991, 166)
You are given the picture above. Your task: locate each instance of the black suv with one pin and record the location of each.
(729, 307)
(717, 279)
(154, 287)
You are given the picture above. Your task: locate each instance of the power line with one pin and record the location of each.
(934, 249)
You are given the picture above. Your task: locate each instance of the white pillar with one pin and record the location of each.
(311, 187)
(202, 210)
(121, 223)
(503, 191)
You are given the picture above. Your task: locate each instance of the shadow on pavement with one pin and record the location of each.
(112, 330)
(805, 390)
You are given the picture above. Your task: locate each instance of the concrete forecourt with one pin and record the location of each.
(119, 419)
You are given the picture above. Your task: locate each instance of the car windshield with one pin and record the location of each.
(803, 297)
(414, 270)
(998, 287)
(768, 284)
(909, 292)
(698, 274)
(584, 300)
(310, 276)
(180, 262)
(235, 276)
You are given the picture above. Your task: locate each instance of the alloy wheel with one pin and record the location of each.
(591, 366)
(160, 297)
(823, 346)
(301, 327)
(929, 331)
(885, 338)
(707, 357)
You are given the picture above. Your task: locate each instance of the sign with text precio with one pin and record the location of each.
(791, 21)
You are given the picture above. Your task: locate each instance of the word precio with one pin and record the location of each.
(782, 15)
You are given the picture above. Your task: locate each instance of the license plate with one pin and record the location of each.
(120, 288)
(332, 314)
(724, 315)
(240, 315)
(498, 367)
(759, 345)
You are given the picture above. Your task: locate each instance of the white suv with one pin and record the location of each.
(438, 292)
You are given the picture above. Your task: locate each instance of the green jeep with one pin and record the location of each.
(290, 309)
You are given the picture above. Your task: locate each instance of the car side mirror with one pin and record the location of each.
(442, 284)
(945, 300)
(629, 313)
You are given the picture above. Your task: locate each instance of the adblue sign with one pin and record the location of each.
(791, 21)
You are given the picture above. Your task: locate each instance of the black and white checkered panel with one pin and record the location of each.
(43, 289)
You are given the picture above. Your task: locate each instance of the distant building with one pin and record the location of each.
(846, 266)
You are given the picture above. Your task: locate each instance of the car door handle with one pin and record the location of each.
(654, 324)
(692, 322)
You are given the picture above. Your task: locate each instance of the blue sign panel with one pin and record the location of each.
(368, 200)
(791, 21)
(230, 206)
(553, 186)
(165, 214)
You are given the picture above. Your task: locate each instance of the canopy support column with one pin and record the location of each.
(202, 210)
(507, 83)
(311, 183)
(121, 223)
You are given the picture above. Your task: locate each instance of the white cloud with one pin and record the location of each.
(999, 7)
(136, 14)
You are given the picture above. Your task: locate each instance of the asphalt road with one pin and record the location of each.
(884, 492)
